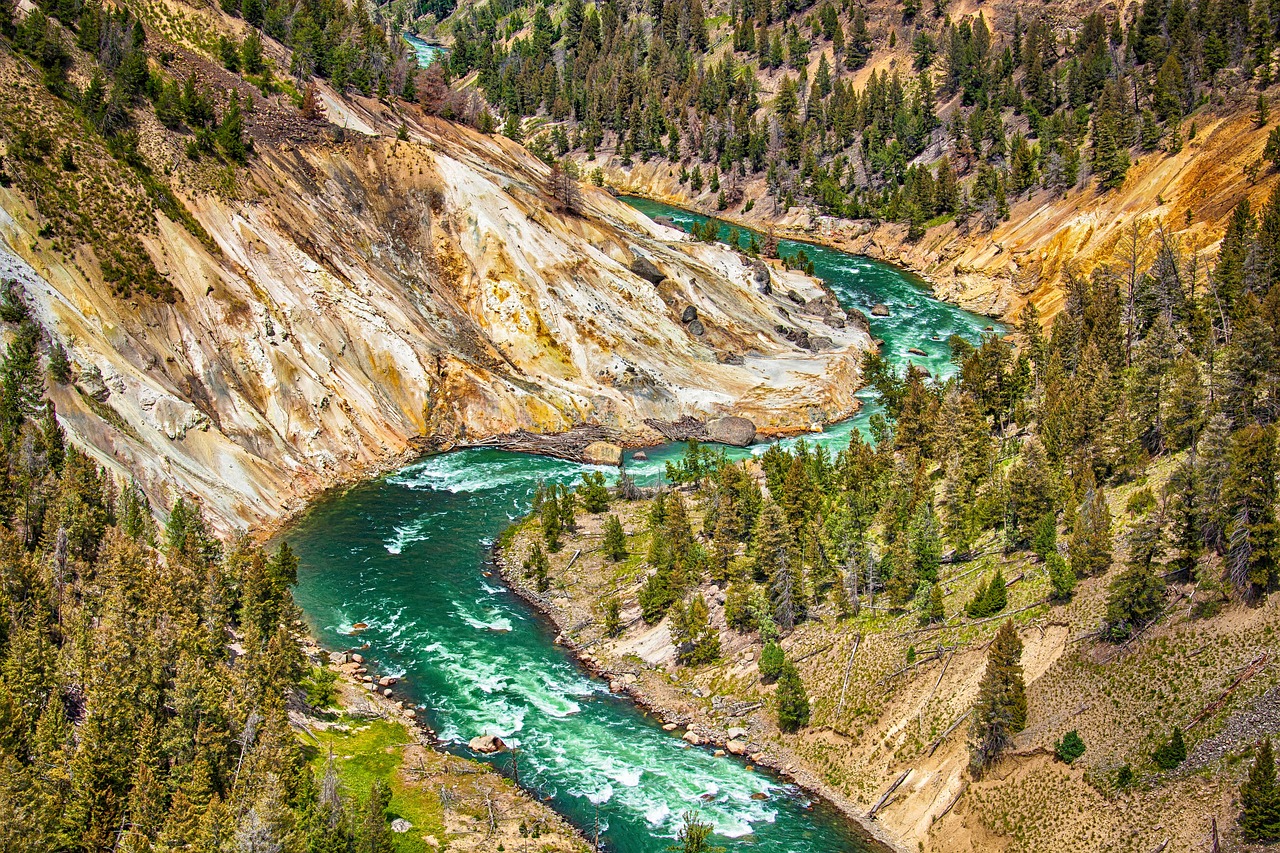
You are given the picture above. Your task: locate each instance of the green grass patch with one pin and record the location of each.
(374, 749)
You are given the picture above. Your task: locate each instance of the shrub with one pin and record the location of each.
(772, 662)
(1070, 747)
(320, 688)
(612, 610)
(989, 599)
(1172, 752)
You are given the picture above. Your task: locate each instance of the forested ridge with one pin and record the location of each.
(147, 672)
(978, 108)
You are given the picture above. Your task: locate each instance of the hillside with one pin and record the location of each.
(993, 148)
(345, 297)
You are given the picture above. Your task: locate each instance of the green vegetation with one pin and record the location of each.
(615, 539)
(1260, 798)
(1172, 752)
(1070, 747)
(1001, 708)
(793, 701)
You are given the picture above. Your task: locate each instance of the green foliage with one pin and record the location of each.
(1134, 598)
(1000, 711)
(1062, 580)
(1070, 747)
(611, 608)
(694, 836)
(615, 539)
(537, 567)
(989, 598)
(320, 689)
(1260, 798)
(593, 492)
(772, 662)
(696, 639)
(1172, 752)
(793, 701)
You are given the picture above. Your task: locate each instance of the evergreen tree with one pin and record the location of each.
(1172, 752)
(1000, 711)
(615, 539)
(793, 701)
(696, 639)
(1260, 798)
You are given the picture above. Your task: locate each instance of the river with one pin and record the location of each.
(407, 555)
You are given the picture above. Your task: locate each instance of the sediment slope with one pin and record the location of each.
(363, 297)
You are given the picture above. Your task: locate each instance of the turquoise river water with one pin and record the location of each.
(408, 554)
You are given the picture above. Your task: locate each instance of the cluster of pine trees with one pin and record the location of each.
(145, 673)
(1028, 109)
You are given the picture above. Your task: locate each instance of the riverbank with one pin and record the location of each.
(627, 674)
(439, 800)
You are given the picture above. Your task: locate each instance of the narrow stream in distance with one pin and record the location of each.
(407, 555)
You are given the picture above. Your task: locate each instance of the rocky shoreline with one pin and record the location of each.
(725, 741)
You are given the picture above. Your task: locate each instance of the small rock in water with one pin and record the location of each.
(670, 727)
(401, 825)
(359, 626)
(357, 658)
(879, 310)
(759, 795)
(640, 456)
(692, 737)
(917, 351)
(486, 744)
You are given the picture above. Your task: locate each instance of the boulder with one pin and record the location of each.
(602, 453)
(401, 825)
(339, 658)
(387, 681)
(645, 268)
(486, 744)
(669, 727)
(735, 431)
(737, 733)
(736, 747)
(917, 351)
(690, 314)
(697, 329)
(858, 319)
(879, 310)
(640, 456)
(357, 658)
(795, 297)
(693, 738)
(818, 343)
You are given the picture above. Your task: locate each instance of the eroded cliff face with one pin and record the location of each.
(372, 298)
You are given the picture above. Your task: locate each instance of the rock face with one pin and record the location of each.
(362, 302)
(735, 431)
(486, 744)
(602, 453)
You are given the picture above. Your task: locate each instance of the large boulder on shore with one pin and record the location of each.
(735, 431)
(486, 744)
(602, 453)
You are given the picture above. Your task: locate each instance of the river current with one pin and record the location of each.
(408, 555)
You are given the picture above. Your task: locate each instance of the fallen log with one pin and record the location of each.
(871, 815)
(933, 747)
(964, 786)
(1254, 667)
(848, 668)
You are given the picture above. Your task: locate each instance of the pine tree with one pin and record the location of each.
(1249, 496)
(537, 568)
(1260, 798)
(1172, 752)
(374, 835)
(593, 492)
(937, 613)
(615, 539)
(793, 701)
(772, 661)
(1000, 711)
(696, 639)
(1090, 544)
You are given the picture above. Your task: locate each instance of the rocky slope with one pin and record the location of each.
(362, 297)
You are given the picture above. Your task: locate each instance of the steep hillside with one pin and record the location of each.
(992, 147)
(347, 297)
